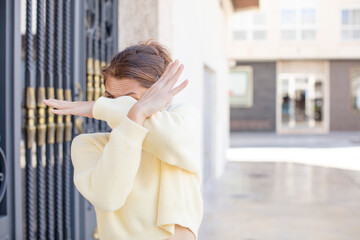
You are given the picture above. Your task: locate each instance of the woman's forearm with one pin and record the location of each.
(137, 115)
(104, 169)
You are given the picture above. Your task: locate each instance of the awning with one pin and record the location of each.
(245, 4)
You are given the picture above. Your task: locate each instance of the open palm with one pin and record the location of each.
(161, 92)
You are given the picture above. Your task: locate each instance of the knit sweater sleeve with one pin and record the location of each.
(173, 132)
(105, 165)
(180, 200)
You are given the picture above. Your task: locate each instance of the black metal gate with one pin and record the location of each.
(48, 49)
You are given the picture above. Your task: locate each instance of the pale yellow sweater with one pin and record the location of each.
(142, 180)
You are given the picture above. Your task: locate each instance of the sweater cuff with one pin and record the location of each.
(177, 215)
(112, 110)
(131, 129)
(98, 110)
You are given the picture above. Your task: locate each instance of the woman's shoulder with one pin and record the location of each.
(176, 105)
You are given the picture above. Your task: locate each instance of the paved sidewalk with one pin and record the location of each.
(336, 149)
(282, 201)
(271, 139)
(286, 187)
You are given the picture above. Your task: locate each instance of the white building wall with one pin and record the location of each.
(198, 39)
(328, 43)
(137, 21)
(215, 40)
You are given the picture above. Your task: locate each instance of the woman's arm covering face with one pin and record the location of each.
(105, 169)
(173, 133)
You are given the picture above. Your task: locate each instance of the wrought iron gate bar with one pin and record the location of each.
(108, 29)
(50, 137)
(97, 58)
(96, 53)
(102, 55)
(59, 120)
(68, 123)
(90, 32)
(108, 18)
(41, 127)
(90, 73)
(30, 127)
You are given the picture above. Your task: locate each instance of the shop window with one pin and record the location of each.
(241, 87)
(355, 89)
(302, 101)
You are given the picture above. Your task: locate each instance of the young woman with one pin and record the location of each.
(143, 178)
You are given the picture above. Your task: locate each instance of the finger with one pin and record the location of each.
(173, 67)
(176, 76)
(166, 72)
(61, 104)
(164, 75)
(179, 88)
(62, 111)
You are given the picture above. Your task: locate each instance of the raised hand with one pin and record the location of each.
(159, 94)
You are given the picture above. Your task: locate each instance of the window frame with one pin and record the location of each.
(250, 86)
(299, 27)
(352, 71)
(351, 27)
(245, 22)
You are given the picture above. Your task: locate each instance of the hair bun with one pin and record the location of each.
(159, 49)
(144, 62)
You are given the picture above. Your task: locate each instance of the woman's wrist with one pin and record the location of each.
(137, 115)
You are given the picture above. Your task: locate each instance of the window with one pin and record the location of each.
(308, 34)
(241, 87)
(301, 100)
(288, 34)
(298, 23)
(350, 24)
(249, 26)
(288, 16)
(240, 35)
(259, 35)
(259, 19)
(308, 16)
(355, 89)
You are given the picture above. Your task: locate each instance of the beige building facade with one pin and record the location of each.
(304, 60)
